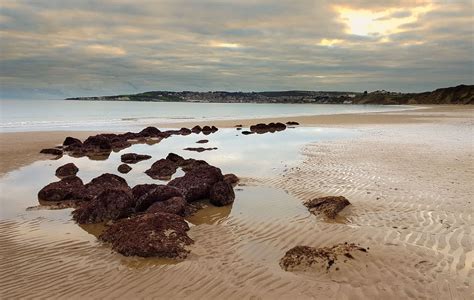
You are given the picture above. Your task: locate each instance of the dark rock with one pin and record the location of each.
(110, 204)
(53, 151)
(221, 194)
(238, 126)
(132, 158)
(196, 129)
(157, 194)
(324, 258)
(231, 179)
(162, 169)
(259, 128)
(329, 206)
(69, 169)
(280, 126)
(150, 132)
(151, 234)
(185, 131)
(191, 163)
(197, 182)
(199, 149)
(178, 160)
(292, 123)
(124, 168)
(214, 128)
(175, 205)
(98, 142)
(73, 142)
(245, 132)
(207, 130)
(68, 188)
(202, 141)
(141, 189)
(104, 182)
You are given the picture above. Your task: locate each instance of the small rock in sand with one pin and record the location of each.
(330, 206)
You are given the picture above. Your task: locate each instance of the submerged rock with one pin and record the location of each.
(197, 182)
(202, 141)
(330, 206)
(292, 123)
(53, 151)
(324, 258)
(68, 188)
(221, 194)
(133, 158)
(111, 204)
(124, 168)
(246, 132)
(148, 195)
(162, 169)
(69, 169)
(231, 178)
(175, 205)
(151, 234)
(199, 149)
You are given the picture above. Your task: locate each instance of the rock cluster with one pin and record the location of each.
(265, 128)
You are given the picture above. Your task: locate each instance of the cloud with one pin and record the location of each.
(72, 48)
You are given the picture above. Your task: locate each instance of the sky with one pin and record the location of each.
(59, 48)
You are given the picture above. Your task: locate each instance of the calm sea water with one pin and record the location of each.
(39, 115)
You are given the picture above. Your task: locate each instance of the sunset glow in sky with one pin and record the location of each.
(57, 48)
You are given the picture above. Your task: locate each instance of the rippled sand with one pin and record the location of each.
(411, 190)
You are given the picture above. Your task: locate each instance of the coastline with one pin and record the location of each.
(407, 174)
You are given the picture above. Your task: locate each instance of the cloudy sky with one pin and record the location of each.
(61, 48)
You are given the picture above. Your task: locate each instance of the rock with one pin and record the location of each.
(206, 130)
(329, 206)
(246, 132)
(292, 123)
(151, 234)
(141, 189)
(280, 126)
(68, 188)
(156, 194)
(104, 182)
(325, 257)
(196, 129)
(124, 168)
(70, 141)
(214, 128)
(175, 205)
(191, 163)
(231, 179)
(178, 160)
(111, 204)
(238, 126)
(221, 194)
(202, 141)
(259, 128)
(53, 151)
(132, 158)
(98, 142)
(150, 132)
(162, 169)
(197, 182)
(69, 169)
(199, 149)
(185, 131)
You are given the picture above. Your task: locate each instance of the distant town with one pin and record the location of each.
(461, 94)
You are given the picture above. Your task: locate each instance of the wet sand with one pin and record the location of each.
(408, 175)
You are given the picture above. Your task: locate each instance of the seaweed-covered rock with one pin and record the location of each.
(124, 168)
(133, 158)
(221, 194)
(150, 132)
(231, 178)
(197, 182)
(196, 129)
(178, 160)
(156, 194)
(69, 169)
(72, 142)
(329, 206)
(53, 151)
(175, 205)
(202, 141)
(325, 257)
(191, 163)
(162, 169)
(98, 142)
(185, 131)
(104, 182)
(68, 188)
(141, 189)
(148, 235)
(111, 204)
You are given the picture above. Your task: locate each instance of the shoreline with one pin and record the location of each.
(22, 148)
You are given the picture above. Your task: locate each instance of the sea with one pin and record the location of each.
(75, 115)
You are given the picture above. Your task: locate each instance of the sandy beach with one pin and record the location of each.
(409, 178)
